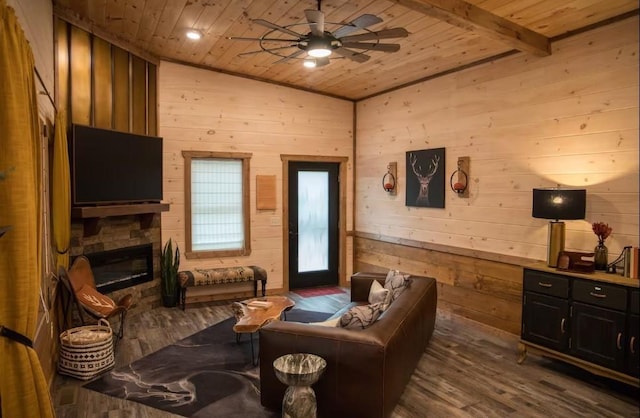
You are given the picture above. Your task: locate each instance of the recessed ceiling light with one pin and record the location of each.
(194, 34)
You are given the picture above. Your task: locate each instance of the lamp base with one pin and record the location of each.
(555, 245)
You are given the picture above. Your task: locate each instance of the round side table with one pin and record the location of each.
(299, 371)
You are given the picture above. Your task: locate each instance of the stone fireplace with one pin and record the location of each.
(108, 242)
(122, 268)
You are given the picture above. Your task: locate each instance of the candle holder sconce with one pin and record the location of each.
(389, 178)
(459, 180)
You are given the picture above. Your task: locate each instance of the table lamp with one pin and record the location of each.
(558, 204)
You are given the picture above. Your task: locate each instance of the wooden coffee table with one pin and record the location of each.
(252, 314)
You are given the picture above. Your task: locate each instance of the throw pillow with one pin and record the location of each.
(360, 317)
(328, 323)
(93, 300)
(378, 294)
(396, 284)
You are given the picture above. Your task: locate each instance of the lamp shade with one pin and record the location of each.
(559, 203)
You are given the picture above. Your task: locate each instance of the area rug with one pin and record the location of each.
(318, 291)
(205, 375)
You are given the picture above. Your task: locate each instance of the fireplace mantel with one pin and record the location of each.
(91, 214)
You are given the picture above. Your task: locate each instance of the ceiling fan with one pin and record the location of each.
(316, 46)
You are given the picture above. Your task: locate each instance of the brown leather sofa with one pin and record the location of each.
(367, 370)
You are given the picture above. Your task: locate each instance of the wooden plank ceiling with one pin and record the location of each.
(444, 35)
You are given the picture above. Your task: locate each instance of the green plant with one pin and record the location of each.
(169, 264)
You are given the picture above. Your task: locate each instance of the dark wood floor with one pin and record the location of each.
(468, 370)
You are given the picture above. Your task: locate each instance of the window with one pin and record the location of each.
(217, 204)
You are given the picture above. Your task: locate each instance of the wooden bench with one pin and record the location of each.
(222, 275)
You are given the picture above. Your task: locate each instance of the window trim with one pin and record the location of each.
(246, 158)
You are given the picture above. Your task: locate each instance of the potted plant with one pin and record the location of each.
(169, 263)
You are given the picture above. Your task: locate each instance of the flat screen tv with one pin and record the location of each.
(111, 167)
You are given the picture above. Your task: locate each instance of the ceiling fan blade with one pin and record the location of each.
(243, 54)
(372, 46)
(316, 21)
(288, 57)
(270, 25)
(240, 38)
(360, 22)
(352, 55)
(381, 34)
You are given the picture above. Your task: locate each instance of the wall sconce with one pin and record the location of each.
(389, 178)
(557, 204)
(459, 181)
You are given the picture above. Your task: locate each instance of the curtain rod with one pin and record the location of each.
(44, 86)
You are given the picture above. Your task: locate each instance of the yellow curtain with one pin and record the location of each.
(23, 388)
(61, 193)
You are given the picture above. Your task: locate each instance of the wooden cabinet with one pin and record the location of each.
(632, 363)
(598, 318)
(597, 335)
(633, 329)
(545, 310)
(587, 320)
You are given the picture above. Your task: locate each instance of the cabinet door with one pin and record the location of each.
(633, 365)
(597, 335)
(545, 321)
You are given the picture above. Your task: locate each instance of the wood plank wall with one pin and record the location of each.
(525, 122)
(100, 84)
(202, 110)
(471, 284)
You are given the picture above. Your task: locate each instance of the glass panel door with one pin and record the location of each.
(313, 221)
(313, 224)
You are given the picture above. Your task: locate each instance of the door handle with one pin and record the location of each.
(598, 295)
(632, 344)
(618, 341)
(544, 284)
(562, 325)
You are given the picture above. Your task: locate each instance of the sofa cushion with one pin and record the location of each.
(396, 283)
(334, 322)
(94, 301)
(378, 294)
(360, 317)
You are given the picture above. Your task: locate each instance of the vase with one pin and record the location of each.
(170, 301)
(601, 256)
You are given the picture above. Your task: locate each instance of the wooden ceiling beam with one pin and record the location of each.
(470, 17)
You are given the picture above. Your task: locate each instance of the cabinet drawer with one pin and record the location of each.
(600, 294)
(634, 300)
(545, 283)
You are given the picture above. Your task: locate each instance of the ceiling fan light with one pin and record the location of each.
(194, 34)
(319, 52)
(309, 63)
(318, 47)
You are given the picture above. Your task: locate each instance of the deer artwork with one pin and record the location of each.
(424, 179)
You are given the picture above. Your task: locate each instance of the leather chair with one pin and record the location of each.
(80, 283)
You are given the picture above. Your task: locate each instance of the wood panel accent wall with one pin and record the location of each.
(202, 110)
(487, 291)
(525, 122)
(103, 85)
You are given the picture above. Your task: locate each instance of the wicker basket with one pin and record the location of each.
(86, 351)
